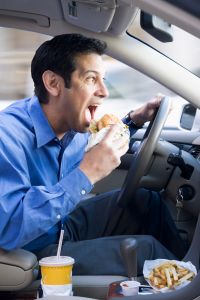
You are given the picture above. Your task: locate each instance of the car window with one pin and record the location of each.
(128, 88)
(17, 48)
(184, 49)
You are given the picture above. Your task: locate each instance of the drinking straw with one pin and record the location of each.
(60, 244)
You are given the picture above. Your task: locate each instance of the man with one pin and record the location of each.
(45, 171)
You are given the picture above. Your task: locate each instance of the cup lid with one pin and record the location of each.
(54, 261)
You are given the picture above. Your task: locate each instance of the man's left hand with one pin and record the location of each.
(147, 111)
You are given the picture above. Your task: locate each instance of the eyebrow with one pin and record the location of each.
(84, 73)
(91, 71)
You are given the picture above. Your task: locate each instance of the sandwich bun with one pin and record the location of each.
(106, 121)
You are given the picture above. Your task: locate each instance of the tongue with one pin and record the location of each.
(92, 111)
(88, 115)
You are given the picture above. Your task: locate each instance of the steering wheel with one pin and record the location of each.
(142, 156)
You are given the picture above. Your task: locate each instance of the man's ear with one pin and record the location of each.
(51, 82)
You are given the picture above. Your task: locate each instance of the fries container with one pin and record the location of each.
(167, 275)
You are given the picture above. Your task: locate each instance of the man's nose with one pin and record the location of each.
(102, 91)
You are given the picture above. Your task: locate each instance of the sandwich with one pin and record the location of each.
(98, 129)
(106, 121)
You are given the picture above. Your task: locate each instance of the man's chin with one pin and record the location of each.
(84, 129)
(87, 129)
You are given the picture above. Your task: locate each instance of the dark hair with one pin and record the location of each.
(58, 55)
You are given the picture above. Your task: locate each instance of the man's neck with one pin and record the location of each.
(53, 120)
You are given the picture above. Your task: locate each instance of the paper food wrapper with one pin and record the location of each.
(96, 137)
(150, 265)
(57, 290)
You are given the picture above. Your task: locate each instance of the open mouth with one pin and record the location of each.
(90, 113)
(92, 109)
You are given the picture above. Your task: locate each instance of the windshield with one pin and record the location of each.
(128, 88)
(184, 49)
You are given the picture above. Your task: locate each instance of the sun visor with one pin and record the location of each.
(95, 15)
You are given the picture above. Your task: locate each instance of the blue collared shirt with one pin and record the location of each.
(38, 187)
(36, 193)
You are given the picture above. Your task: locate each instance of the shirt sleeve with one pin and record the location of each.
(28, 211)
(131, 125)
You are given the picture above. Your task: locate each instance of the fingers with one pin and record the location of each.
(123, 148)
(160, 96)
(147, 111)
(155, 102)
(121, 144)
(114, 129)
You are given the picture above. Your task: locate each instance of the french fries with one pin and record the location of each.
(169, 275)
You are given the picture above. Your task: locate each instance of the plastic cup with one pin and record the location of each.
(130, 288)
(56, 271)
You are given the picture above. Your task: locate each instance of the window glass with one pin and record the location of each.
(128, 88)
(184, 49)
(17, 48)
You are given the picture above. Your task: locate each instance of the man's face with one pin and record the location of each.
(79, 103)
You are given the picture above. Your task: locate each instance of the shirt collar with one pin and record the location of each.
(43, 130)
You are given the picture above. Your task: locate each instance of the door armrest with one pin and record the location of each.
(19, 268)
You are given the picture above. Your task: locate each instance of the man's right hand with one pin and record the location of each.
(103, 158)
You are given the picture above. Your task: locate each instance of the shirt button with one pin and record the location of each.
(58, 217)
(62, 175)
(83, 192)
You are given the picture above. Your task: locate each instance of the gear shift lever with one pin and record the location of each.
(128, 249)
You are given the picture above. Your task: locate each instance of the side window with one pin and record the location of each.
(128, 88)
(17, 48)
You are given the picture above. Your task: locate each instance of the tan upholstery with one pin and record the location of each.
(18, 269)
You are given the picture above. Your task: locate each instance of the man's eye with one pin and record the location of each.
(91, 79)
